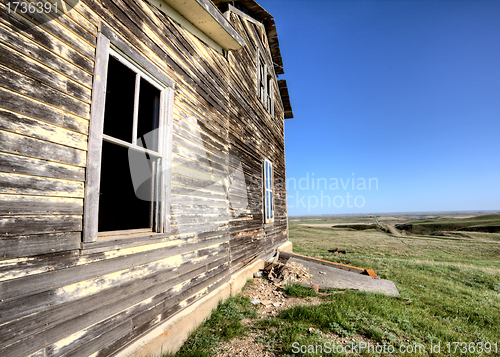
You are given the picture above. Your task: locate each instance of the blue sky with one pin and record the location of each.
(404, 92)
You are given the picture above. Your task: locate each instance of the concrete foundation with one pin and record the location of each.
(286, 247)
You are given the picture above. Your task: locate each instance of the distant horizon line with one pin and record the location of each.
(409, 212)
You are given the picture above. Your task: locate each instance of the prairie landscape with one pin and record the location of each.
(446, 267)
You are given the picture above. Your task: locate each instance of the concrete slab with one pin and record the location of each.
(328, 277)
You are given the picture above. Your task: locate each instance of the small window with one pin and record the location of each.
(268, 192)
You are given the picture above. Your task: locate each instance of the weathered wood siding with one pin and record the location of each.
(59, 299)
(255, 135)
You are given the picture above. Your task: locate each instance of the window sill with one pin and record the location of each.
(117, 241)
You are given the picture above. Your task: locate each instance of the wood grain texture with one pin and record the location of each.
(38, 244)
(45, 38)
(91, 208)
(30, 87)
(35, 167)
(39, 205)
(30, 48)
(23, 225)
(43, 186)
(17, 104)
(31, 147)
(19, 62)
(55, 28)
(27, 126)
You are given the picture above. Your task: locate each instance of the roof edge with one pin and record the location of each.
(206, 17)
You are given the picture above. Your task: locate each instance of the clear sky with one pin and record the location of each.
(406, 93)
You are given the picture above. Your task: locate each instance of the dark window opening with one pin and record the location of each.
(119, 109)
(120, 207)
(128, 192)
(149, 115)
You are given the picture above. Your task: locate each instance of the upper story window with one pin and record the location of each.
(265, 85)
(269, 99)
(262, 75)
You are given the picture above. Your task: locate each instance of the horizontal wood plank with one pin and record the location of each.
(39, 205)
(46, 39)
(39, 244)
(36, 167)
(142, 263)
(104, 304)
(30, 87)
(42, 20)
(43, 186)
(21, 124)
(20, 62)
(23, 225)
(26, 146)
(33, 49)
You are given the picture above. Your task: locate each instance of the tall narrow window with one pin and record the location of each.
(268, 192)
(261, 74)
(269, 99)
(265, 85)
(130, 139)
(132, 149)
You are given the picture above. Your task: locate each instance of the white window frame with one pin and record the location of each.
(161, 198)
(268, 191)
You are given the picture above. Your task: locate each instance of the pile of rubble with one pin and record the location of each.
(267, 290)
(280, 273)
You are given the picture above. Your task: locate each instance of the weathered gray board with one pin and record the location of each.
(328, 277)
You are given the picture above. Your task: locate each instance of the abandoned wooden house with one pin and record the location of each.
(142, 169)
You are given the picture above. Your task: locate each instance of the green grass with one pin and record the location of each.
(223, 324)
(300, 291)
(451, 291)
(370, 248)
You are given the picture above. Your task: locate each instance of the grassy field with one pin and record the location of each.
(452, 287)
(450, 292)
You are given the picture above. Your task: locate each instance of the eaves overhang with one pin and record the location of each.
(207, 18)
(258, 15)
